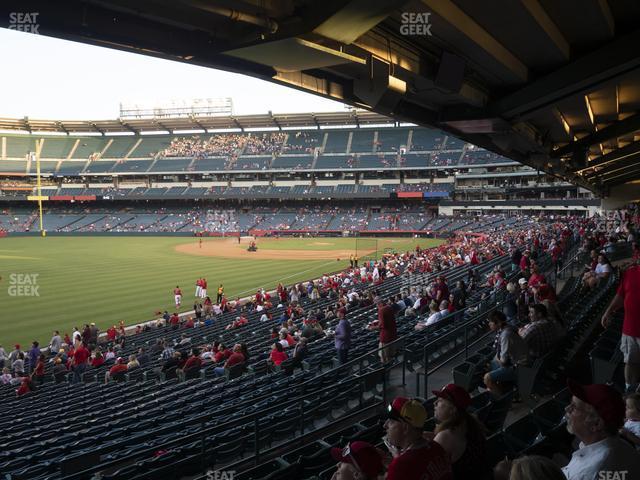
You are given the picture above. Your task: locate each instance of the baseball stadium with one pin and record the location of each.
(422, 262)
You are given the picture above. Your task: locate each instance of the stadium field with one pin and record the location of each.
(60, 282)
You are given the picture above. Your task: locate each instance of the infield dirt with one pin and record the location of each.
(229, 248)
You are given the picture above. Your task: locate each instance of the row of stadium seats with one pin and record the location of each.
(184, 219)
(138, 415)
(302, 190)
(252, 163)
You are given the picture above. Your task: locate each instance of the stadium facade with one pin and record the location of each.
(369, 166)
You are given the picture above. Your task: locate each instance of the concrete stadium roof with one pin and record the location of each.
(171, 124)
(552, 84)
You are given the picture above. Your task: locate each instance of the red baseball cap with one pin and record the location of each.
(364, 456)
(455, 394)
(605, 399)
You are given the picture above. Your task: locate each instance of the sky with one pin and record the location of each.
(51, 79)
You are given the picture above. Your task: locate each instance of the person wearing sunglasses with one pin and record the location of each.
(357, 461)
(414, 457)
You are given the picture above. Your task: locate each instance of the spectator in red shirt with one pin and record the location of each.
(236, 358)
(119, 368)
(222, 354)
(25, 387)
(111, 333)
(79, 362)
(38, 372)
(536, 279)
(278, 355)
(174, 321)
(97, 360)
(193, 362)
(628, 296)
(388, 333)
(237, 323)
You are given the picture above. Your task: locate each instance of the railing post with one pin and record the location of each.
(404, 365)
(466, 340)
(384, 385)
(203, 464)
(425, 361)
(300, 409)
(256, 437)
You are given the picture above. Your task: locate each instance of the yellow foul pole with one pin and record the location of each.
(38, 146)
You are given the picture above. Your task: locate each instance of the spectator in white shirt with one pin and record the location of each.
(434, 316)
(444, 309)
(594, 416)
(76, 336)
(631, 429)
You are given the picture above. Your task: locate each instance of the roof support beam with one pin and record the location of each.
(237, 124)
(629, 162)
(97, 129)
(623, 177)
(580, 77)
(128, 127)
(61, 126)
(457, 18)
(542, 18)
(615, 157)
(195, 120)
(622, 127)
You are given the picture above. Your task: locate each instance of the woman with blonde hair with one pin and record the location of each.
(535, 467)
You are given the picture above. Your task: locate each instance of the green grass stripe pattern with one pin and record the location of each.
(108, 279)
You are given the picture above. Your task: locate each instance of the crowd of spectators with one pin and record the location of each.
(528, 326)
(301, 142)
(213, 146)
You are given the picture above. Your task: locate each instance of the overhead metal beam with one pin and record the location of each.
(616, 156)
(458, 19)
(356, 18)
(547, 24)
(623, 177)
(622, 127)
(98, 129)
(582, 76)
(61, 126)
(630, 162)
(129, 127)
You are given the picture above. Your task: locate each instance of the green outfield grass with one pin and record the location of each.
(108, 279)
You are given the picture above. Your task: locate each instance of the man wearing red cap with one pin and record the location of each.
(627, 296)
(594, 416)
(358, 461)
(414, 457)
